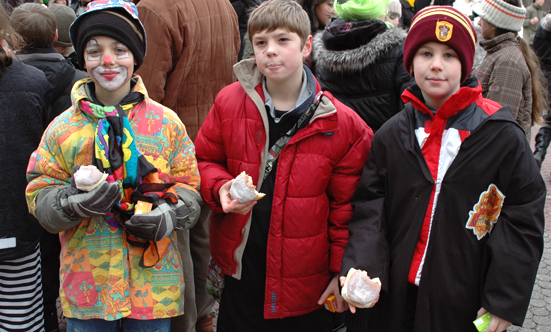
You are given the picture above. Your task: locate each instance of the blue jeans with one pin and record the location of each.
(121, 325)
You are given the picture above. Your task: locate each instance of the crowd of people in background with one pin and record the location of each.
(391, 136)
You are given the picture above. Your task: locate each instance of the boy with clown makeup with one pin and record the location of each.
(120, 269)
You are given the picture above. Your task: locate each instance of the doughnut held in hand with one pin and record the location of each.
(87, 178)
(243, 190)
(359, 290)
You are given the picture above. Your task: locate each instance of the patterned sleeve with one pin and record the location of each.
(47, 166)
(183, 164)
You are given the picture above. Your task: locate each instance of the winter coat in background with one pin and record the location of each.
(317, 173)
(408, 11)
(243, 8)
(25, 98)
(189, 54)
(479, 52)
(101, 276)
(363, 68)
(542, 47)
(505, 77)
(529, 29)
(480, 197)
(59, 71)
(420, 4)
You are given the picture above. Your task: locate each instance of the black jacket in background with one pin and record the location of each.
(59, 71)
(25, 98)
(363, 68)
(542, 46)
(420, 4)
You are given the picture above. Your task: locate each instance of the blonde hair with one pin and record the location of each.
(274, 14)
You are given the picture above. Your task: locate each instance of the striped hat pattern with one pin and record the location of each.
(444, 25)
(500, 14)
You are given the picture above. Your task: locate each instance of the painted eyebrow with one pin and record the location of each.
(91, 43)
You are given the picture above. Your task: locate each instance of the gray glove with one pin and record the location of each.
(193, 203)
(82, 204)
(158, 223)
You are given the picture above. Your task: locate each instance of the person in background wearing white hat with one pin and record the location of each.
(394, 13)
(534, 14)
(509, 72)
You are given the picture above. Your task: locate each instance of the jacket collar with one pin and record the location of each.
(505, 40)
(47, 50)
(305, 99)
(250, 78)
(80, 91)
(467, 94)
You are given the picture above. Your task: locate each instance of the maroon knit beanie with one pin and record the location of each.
(444, 25)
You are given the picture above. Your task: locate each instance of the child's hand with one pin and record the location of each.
(350, 306)
(496, 324)
(232, 205)
(333, 289)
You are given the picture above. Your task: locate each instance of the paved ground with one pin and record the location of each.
(538, 317)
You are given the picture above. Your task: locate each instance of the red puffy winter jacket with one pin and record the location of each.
(317, 174)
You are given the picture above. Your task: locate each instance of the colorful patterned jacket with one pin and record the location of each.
(100, 275)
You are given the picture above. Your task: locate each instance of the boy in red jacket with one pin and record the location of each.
(279, 257)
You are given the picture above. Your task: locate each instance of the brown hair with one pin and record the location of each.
(8, 35)
(539, 84)
(274, 14)
(36, 24)
(310, 8)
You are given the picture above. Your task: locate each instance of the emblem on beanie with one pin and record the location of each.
(485, 213)
(443, 31)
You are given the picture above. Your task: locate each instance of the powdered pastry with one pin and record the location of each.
(360, 290)
(243, 190)
(87, 178)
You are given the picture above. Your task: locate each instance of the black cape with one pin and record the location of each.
(461, 273)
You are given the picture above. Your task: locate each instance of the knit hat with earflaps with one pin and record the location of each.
(444, 25)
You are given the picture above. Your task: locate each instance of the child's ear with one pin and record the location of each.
(55, 38)
(307, 49)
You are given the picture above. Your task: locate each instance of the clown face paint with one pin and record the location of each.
(110, 79)
(109, 63)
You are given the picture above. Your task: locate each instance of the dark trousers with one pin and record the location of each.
(50, 250)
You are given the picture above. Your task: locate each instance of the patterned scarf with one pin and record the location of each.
(115, 151)
(116, 154)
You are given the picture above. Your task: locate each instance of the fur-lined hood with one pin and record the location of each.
(358, 58)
